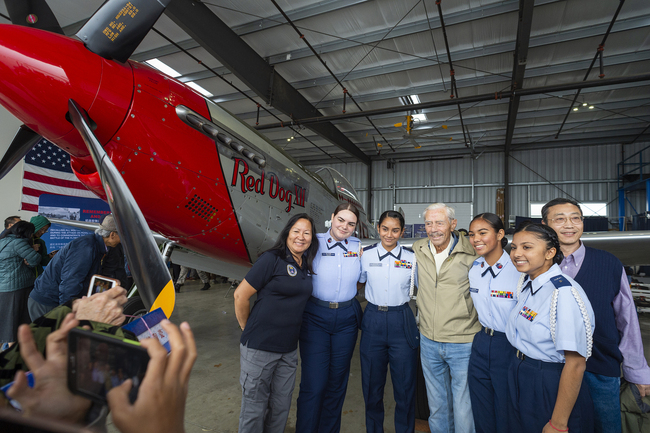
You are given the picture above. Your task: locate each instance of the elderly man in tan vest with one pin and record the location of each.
(448, 320)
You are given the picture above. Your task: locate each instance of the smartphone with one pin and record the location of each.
(100, 283)
(99, 362)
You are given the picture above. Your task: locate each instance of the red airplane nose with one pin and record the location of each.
(41, 71)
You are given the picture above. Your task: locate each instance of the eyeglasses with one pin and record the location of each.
(563, 220)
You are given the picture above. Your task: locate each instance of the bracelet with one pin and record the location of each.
(555, 428)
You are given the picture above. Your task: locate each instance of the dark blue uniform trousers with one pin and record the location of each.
(389, 337)
(533, 387)
(488, 382)
(327, 340)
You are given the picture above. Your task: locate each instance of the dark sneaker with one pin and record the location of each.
(206, 286)
(177, 287)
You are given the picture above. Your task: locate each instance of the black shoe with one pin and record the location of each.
(206, 286)
(177, 288)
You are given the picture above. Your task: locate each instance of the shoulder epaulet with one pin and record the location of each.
(369, 247)
(409, 249)
(560, 281)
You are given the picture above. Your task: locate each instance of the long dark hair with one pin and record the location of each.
(281, 243)
(22, 229)
(546, 234)
(392, 214)
(495, 222)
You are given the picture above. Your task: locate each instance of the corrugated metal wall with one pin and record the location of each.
(588, 174)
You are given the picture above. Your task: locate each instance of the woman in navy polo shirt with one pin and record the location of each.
(492, 285)
(389, 334)
(330, 325)
(281, 277)
(551, 327)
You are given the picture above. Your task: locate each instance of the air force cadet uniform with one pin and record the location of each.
(552, 315)
(328, 334)
(493, 290)
(389, 335)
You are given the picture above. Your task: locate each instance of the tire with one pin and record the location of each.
(134, 307)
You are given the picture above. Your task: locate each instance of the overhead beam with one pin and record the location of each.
(198, 21)
(518, 70)
(464, 100)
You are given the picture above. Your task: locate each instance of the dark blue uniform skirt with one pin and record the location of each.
(327, 340)
(389, 337)
(488, 382)
(533, 387)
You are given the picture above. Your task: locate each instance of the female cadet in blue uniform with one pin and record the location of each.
(493, 282)
(389, 333)
(330, 325)
(281, 277)
(551, 327)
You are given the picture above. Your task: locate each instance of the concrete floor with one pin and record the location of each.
(215, 394)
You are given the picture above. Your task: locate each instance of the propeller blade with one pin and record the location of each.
(118, 27)
(33, 13)
(152, 277)
(22, 143)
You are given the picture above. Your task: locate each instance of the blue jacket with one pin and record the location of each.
(68, 274)
(14, 274)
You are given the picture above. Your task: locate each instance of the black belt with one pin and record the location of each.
(387, 308)
(492, 332)
(520, 355)
(332, 305)
(542, 365)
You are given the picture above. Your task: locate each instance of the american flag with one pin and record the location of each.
(47, 171)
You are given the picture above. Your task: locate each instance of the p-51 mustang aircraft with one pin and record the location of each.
(202, 178)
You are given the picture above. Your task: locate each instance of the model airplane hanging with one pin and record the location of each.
(201, 177)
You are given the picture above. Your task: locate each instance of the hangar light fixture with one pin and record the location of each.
(419, 117)
(575, 108)
(155, 63)
(199, 89)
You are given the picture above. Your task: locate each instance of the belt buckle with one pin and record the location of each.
(520, 355)
(489, 332)
(334, 305)
(382, 307)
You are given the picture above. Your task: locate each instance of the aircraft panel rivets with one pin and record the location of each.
(163, 119)
(139, 148)
(135, 153)
(118, 138)
(154, 153)
(151, 159)
(139, 91)
(139, 85)
(133, 115)
(179, 162)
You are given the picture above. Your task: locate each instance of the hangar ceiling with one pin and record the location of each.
(388, 53)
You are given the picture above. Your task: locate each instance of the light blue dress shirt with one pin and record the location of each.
(387, 274)
(493, 290)
(529, 328)
(337, 266)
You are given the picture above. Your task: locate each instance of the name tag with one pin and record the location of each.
(501, 294)
(403, 264)
(528, 314)
(351, 254)
(378, 265)
(473, 290)
(329, 254)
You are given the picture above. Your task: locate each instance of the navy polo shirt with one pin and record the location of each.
(283, 289)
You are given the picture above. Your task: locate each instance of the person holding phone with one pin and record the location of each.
(389, 334)
(492, 285)
(282, 279)
(330, 325)
(551, 328)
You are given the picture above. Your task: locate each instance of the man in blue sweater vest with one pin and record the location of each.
(617, 338)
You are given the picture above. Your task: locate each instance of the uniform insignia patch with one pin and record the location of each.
(329, 254)
(502, 294)
(291, 270)
(351, 254)
(528, 314)
(482, 264)
(473, 290)
(403, 264)
(499, 266)
(378, 265)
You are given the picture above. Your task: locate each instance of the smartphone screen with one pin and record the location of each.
(97, 363)
(99, 284)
